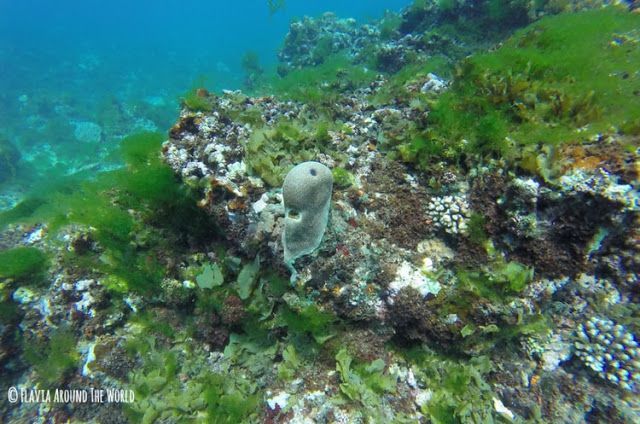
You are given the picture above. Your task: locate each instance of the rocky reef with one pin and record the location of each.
(480, 262)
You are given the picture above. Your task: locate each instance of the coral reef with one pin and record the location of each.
(449, 213)
(611, 351)
(479, 262)
(311, 41)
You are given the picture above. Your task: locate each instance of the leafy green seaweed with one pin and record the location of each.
(54, 358)
(460, 391)
(22, 263)
(125, 209)
(364, 383)
(563, 79)
(319, 85)
(210, 277)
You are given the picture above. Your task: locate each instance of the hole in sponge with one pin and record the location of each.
(293, 214)
(312, 172)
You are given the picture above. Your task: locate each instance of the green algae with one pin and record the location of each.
(196, 102)
(476, 229)
(276, 285)
(227, 396)
(25, 208)
(513, 13)
(389, 25)
(52, 359)
(457, 390)
(129, 212)
(275, 6)
(210, 277)
(464, 28)
(250, 62)
(305, 318)
(152, 326)
(563, 79)
(23, 263)
(363, 382)
(320, 85)
(342, 178)
(460, 390)
(397, 88)
(247, 278)
(322, 50)
(291, 362)
(231, 400)
(9, 157)
(566, 70)
(253, 351)
(225, 393)
(497, 281)
(272, 152)
(516, 275)
(251, 116)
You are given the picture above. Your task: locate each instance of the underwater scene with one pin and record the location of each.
(280, 211)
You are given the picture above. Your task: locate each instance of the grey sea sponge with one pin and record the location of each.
(307, 196)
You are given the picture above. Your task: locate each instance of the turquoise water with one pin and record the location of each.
(97, 71)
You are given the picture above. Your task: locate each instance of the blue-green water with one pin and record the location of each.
(77, 76)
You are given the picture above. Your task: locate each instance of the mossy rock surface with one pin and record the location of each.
(564, 79)
(130, 212)
(22, 262)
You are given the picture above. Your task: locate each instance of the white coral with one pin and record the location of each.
(409, 276)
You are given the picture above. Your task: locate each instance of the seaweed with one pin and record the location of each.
(23, 263)
(125, 209)
(272, 152)
(230, 400)
(247, 278)
(250, 62)
(319, 85)
(149, 320)
(290, 363)
(389, 25)
(210, 277)
(322, 50)
(53, 359)
(342, 178)
(311, 320)
(275, 6)
(196, 100)
(398, 87)
(9, 158)
(227, 397)
(460, 394)
(364, 383)
(495, 283)
(563, 79)
(476, 229)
